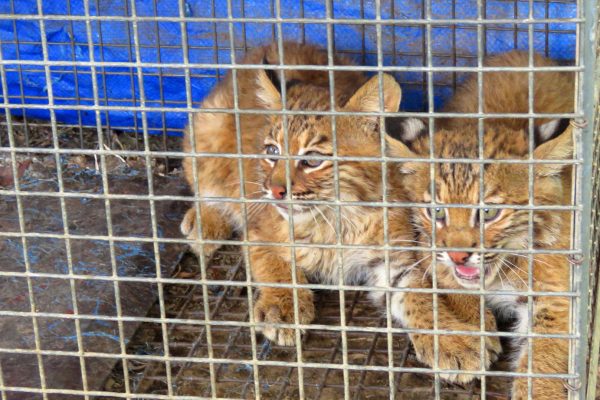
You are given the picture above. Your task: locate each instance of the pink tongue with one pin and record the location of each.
(467, 271)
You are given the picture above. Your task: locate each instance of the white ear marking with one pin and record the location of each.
(413, 127)
(550, 130)
(547, 130)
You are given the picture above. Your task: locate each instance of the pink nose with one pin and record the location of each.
(459, 257)
(278, 191)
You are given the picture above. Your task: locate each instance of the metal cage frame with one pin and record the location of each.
(582, 242)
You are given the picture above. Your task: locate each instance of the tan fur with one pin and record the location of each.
(216, 133)
(458, 183)
(356, 136)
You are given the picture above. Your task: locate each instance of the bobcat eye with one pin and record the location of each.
(439, 214)
(490, 214)
(271, 149)
(312, 163)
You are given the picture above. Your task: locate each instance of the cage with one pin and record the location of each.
(99, 298)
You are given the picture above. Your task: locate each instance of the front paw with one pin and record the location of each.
(189, 229)
(276, 306)
(542, 389)
(457, 353)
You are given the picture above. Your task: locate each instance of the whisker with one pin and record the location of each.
(326, 220)
(427, 272)
(250, 182)
(408, 241)
(250, 194)
(333, 209)
(534, 259)
(416, 264)
(419, 261)
(500, 273)
(518, 268)
(514, 272)
(350, 222)
(344, 216)
(315, 218)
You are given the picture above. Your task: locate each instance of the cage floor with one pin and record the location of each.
(235, 379)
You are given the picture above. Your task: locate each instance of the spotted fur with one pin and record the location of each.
(458, 183)
(359, 181)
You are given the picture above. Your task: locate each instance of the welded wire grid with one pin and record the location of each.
(235, 377)
(594, 338)
(200, 340)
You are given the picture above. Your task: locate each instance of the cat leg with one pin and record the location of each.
(216, 225)
(378, 277)
(276, 305)
(455, 313)
(550, 355)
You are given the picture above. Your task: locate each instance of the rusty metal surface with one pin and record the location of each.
(85, 216)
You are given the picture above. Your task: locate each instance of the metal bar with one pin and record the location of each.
(481, 49)
(63, 207)
(284, 112)
(589, 103)
(21, 218)
(209, 321)
(244, 208)
(352, 367)
(278, 285)
(276, 67)
(279, 157)
(247, 325)
(107, 203)
(322, 21)
(275, 244)
(149, 176)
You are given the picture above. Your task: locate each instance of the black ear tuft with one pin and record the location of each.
(405, 130)
(550, 130)
(292, 82)
(273, 75)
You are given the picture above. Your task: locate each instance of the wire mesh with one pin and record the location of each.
(195, 335)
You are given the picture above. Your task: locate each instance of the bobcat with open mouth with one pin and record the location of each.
(504, 220)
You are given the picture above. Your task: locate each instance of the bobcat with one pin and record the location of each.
(504, 228)
(311, 179)
(215, 132)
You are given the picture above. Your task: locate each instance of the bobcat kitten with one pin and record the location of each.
(310, 180)
(215, 132)
(504, 228)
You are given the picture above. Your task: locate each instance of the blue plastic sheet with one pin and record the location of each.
(209, 43)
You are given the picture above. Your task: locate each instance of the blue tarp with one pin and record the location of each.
(209, 43)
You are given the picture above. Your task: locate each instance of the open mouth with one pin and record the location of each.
(468, 272)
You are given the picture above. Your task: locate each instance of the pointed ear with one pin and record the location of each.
(269, 89)
(401, 134)
(396, 148)
(366, 98)
(554, 141)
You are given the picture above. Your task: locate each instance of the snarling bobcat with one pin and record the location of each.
(301, 176)
(500, 212)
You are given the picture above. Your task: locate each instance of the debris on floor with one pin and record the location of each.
(96, 240)
(233, 375)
